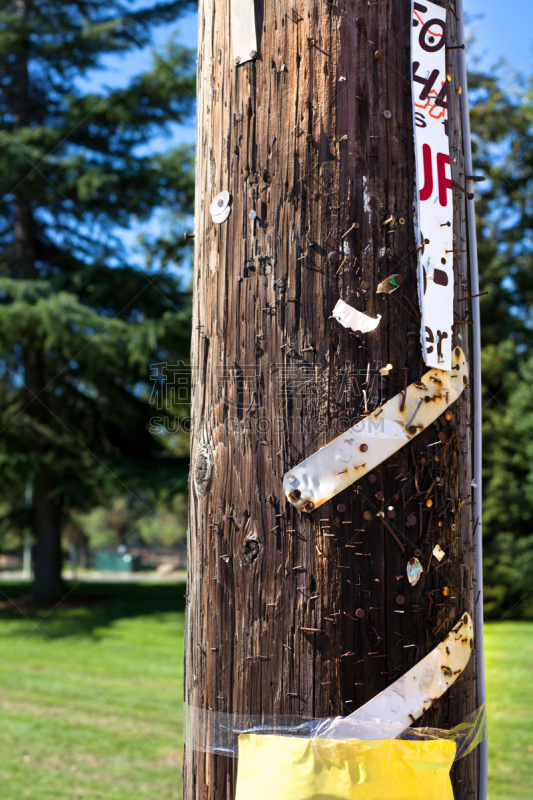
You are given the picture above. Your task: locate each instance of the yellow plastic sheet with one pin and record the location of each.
(293, 768)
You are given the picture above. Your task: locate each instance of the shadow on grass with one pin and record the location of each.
(87, 609)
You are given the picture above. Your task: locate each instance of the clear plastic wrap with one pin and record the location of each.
(217, 732)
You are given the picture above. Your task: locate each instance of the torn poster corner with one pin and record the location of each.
(350, 317)
(390, 284)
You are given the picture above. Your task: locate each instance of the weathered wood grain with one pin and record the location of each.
(264, 290)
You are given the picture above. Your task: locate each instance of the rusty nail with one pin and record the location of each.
(253, 53)
(467, 194)
(360, 613)
(363, 448)
(333, 256)
(381, 515)
(355, 226)
(309, 506)
(237, 60)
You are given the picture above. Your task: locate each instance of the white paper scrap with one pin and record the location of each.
(352, 318)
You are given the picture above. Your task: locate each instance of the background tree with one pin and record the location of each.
(79, 323)
(502, 117)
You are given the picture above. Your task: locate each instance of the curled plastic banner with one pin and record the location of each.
(218, 732)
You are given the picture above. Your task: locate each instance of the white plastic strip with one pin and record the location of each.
(358, 451)
(434, 202)
(406, 699)
(243, 30)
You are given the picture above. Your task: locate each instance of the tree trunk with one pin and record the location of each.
(299, 136)
(47, 586)
(47, 562)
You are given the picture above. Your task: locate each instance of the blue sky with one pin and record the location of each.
(498, 34)
(502, 29)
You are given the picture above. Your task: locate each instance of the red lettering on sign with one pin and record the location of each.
(427, 190)
(444, 182)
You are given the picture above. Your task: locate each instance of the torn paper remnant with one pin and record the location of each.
(414, 571)
(438, 552)
(390, 284)
(352, 318)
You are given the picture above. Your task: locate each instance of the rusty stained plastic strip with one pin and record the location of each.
(405, 700)
(358, 451)
(243, 31)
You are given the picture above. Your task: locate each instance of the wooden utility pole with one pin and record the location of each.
(316, 137)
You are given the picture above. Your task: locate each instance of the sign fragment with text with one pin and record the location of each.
(434, 200)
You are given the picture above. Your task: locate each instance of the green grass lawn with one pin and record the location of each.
(90, 697)
(509, 664)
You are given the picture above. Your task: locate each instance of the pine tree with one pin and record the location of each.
(80, 324)
(502, 123)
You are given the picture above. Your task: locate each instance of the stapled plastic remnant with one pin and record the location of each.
(405, 700)
(390, 284)
(414, 571)
(391, 426)
(220, 208)
(386, 370)
(352, 318)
